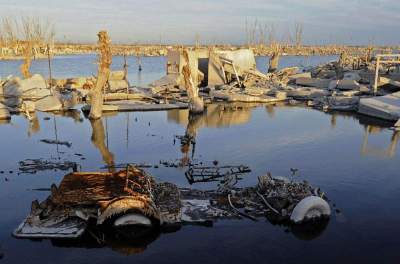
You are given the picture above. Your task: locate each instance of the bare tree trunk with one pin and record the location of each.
(25, 67)
(96, 94)
(196, 103)
(298, 35)
(274, 61)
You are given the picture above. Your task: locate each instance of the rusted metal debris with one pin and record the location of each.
(131, 197)
(196, 174)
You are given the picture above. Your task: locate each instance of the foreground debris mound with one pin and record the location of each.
(132, 198)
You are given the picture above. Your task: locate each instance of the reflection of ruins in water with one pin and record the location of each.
(226, 115)
(216, 116)
(99, 141)
(390, 150)
(372, 126)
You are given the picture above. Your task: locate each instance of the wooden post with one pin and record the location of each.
(96, 94)
(50, 77)
(126, 72)
(378, 59)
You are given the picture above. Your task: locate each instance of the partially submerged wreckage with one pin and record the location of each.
(196, 77)
(219, 74)
(131, 197)
(364, 84)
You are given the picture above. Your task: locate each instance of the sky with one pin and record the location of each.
(354, 22)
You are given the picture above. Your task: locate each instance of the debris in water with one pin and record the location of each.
(197, 174)
(56, 142)
(32, 166)
(132, 198)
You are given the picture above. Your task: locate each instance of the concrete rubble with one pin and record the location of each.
(132, 198)
(29, 94)
(342, 85)
(353, 83)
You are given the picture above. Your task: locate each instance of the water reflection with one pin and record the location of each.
(372, 126)
(34, 125)
(382, 152)
(216, 116)
(131, 241)
(99, 141)
(126, 241)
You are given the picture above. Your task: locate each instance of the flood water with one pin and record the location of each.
(353, 159)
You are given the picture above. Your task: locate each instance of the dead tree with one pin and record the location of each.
(274, 61)
(105, 59)
(196, 103)
(35, 35)
(25, 67)
(298, 35)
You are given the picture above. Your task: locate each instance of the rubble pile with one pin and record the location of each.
(365, 83)
(132, 197)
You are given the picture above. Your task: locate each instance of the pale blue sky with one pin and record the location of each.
(129, 21)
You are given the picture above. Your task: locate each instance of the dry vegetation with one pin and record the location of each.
(25, 37)
(21, 36)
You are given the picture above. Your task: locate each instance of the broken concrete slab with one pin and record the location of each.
(340, 103)
(170, 80)
(354, 76)
(28, 106)
(313, 82)
(76, 83)
(130, 105)
(242, 97)
(348, 85)
(117, 85)
(117, 75)
(300, 75)
(307, 93)
(385, 107)
(34, 87)
(49, 104)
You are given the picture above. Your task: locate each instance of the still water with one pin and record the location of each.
(353, 159)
